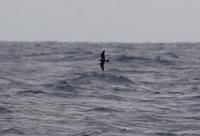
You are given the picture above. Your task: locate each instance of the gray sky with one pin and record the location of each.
(100, 20)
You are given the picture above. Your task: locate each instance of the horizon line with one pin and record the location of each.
(95, 42)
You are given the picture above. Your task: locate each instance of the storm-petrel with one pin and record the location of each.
(103, 60)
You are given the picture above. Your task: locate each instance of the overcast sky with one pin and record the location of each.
(100, 20)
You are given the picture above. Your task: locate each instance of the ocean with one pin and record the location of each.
(59, 89)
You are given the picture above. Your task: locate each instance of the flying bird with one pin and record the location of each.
(103, 60)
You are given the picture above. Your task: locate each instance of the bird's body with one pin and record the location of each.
(103, 60)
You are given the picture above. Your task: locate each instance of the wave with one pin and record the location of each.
(40, 54)
(164, 134)
(62, 88)
(124, 89)
(103, 109)
(87, 133)
(104, 77)
(62, 85)
(192, 97)
(4, 110)
(171, 55)
(144, 60)
(112, 97)
(124, 58)
(73, 88)
(13, 131)
(142, 71)
(30, 92)
(164, 62)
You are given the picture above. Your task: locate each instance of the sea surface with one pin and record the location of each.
(59, 89)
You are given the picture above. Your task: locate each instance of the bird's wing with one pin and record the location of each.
(102, 66)
(103, 55)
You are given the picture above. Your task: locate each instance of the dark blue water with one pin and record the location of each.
(58, 89)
